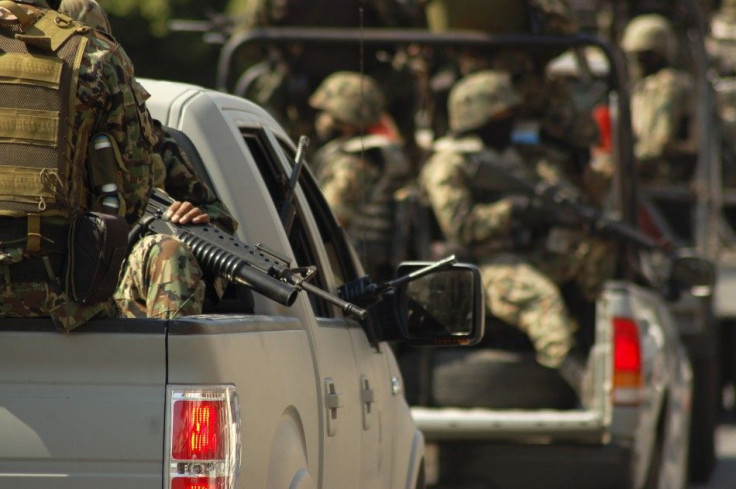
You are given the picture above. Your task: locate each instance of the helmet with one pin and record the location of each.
(87, 12)
(349, 97)
(479, 98)
(650, 32)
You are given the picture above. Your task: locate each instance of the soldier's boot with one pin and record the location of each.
(575, 371)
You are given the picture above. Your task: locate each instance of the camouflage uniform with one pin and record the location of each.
(106, 101)
(360, 175)
(660, 101)
(520, 282)
(161, 278)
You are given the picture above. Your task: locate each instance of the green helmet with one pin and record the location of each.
(349, 97)
(88, 12)
(479, 98)
(650, 32)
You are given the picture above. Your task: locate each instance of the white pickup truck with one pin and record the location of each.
(251, 394)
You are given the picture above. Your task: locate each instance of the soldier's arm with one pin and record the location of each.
(120, 111)
(182, 182)
(445, 184)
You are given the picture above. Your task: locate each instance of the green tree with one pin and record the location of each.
(141, 26)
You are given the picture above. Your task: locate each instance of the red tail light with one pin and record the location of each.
(204, 427)
(627, 366)
(197, 430)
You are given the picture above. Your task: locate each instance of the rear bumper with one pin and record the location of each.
(558, 466)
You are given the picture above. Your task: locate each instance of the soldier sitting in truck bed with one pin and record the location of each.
(522, 255)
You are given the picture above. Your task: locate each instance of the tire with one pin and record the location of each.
(497, 379)
(703, 353)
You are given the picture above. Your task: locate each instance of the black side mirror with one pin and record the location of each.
(443, 307)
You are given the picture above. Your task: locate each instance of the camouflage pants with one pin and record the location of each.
(39, 299)
(160, 279)
(520, 294)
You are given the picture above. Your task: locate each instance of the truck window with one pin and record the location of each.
(333, 237)
(271, 170)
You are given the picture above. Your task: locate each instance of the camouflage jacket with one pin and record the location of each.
(109, 100)
(447, 184)
(174, 173)
(659, 105)
(348, 169)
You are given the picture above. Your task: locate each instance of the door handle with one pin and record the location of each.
(367, 398)
(333, 402)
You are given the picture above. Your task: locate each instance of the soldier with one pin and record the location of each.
(67, 83)
(161, 278)
(661, 112)
(359, 173)
(547, 104)
(507, 234)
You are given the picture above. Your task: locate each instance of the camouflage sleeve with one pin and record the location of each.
(182, 182)
(444, 183)
(343, 181)
(656, 114)
(110, 103)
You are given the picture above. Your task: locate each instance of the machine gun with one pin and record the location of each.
(221, 254)
(562, 209)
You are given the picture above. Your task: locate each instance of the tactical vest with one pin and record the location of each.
(39, 67)
(487, 187)
(373, 228)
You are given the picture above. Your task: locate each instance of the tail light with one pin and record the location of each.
(203, 448)
(627, 366)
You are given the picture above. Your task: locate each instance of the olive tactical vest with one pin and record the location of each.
(39, 66)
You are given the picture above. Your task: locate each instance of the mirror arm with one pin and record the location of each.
(438, 265)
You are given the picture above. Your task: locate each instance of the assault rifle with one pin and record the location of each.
(562, 209)
(222, 254)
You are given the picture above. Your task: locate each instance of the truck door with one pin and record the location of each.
(373, 379)
(338, 378)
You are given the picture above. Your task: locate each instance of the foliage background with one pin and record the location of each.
(141, 27)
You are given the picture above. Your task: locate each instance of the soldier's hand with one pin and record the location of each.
(186, 213)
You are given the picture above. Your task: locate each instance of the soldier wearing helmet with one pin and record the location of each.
(660, 108)
(505, 232)
(361, 166)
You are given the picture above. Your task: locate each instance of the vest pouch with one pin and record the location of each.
(97, 248)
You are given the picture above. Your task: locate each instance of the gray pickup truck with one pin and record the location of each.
(251, 394)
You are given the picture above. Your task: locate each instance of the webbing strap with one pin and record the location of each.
(21, 13)
(33, 243)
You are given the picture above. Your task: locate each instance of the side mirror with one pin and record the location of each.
(696, 274)
(443, 307)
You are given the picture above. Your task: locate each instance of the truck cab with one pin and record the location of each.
(252, 393)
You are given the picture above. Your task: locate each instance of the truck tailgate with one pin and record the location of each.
(82, 410)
